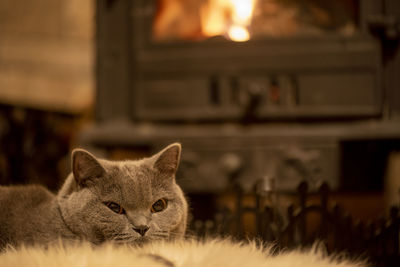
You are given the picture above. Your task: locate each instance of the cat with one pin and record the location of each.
(178, 253)
(101, 200)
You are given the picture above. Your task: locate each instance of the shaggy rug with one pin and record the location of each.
(187, 253)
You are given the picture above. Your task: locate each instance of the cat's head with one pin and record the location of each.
(124, 201)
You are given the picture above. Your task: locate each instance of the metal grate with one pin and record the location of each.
(376, 240)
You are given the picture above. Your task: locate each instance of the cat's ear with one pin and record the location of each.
(85, 167)
(167, 160)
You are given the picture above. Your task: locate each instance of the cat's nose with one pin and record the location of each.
(142, 229)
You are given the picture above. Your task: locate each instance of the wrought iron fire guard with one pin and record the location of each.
(377, 241)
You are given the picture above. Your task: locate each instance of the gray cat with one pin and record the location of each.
(122, 201)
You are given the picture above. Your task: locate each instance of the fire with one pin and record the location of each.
(227, 17)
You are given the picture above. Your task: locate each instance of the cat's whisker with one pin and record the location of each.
(123, 236)
(161, 235)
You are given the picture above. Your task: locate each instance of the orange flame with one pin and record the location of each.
(227, 17)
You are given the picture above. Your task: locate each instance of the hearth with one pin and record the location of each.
(280, 101)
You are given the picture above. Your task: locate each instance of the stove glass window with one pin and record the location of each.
(242, 20)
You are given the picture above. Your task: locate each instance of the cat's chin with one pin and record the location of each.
(142, 241)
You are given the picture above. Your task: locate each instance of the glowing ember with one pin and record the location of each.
(231, 17)
(238, 34)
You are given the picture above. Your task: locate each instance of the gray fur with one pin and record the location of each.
(33, 215)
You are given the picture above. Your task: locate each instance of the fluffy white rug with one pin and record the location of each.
(188, 253)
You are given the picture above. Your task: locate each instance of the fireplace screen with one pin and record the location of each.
(241, 20)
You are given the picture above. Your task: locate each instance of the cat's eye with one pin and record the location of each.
(115, 207)
(159, 205)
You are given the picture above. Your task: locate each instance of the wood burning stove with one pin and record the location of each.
(277, 107)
